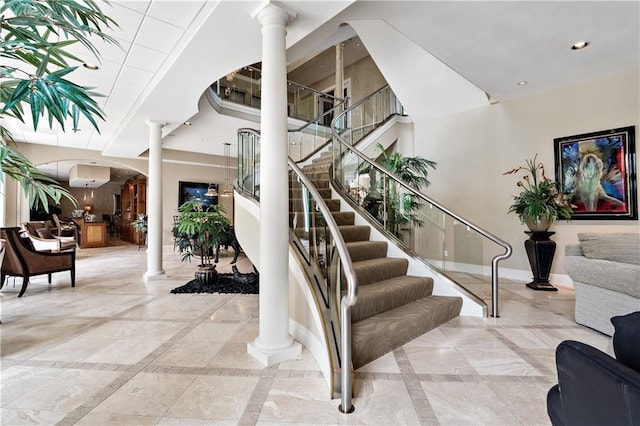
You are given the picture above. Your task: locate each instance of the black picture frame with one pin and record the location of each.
(195, 191)
(599, 170)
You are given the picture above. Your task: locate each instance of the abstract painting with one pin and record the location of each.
(599, 171)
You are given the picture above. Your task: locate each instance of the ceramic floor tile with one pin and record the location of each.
(299, 401)
(214, 398)
(438, 361)
(29, 416)
(120, 350)
(66, 391)
(146, 394)
(467, 404)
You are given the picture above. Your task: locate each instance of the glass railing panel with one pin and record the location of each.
(243, 86)
(366, 116)
(312, 136)
(249, 162)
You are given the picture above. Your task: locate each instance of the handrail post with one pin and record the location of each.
(345, 362)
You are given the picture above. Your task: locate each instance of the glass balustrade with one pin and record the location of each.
(243, 86)
(442, 239)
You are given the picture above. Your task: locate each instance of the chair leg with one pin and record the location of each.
(25, 283)
(49, 276)
(73, 276)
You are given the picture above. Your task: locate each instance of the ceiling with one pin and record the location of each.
(170, 51)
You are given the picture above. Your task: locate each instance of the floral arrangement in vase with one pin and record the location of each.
(540, 203)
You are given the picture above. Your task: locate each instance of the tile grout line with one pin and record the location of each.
(419, 398)
(108, 390)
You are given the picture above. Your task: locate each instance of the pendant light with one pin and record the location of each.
(227, 189)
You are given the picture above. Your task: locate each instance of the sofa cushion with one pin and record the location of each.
(626, 338)
(616, 247)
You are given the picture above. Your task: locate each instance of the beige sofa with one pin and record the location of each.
(605, 269)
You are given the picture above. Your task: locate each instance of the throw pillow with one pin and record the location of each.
(617, 247)
(626, 338)
(44, 233)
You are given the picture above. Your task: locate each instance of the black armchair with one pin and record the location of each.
(594, 388)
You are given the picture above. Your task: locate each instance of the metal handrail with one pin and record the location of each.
(349, 299)
(498, 241)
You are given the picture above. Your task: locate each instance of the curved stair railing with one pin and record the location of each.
(321, 249)
(416, 222)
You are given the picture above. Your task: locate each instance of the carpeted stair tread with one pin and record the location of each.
(341, 218)
(355, 232)
(375, 336)
(325, 193)
(389, 294)
(384, 268)
(364, 250)
(297, 205)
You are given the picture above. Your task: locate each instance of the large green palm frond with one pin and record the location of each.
(36, 65)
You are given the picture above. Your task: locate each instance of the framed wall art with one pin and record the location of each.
(196, 191)
(599, 170)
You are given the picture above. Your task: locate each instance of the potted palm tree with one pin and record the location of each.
(198, 231)
(399, 208)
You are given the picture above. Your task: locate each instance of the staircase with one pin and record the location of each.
(393, 307)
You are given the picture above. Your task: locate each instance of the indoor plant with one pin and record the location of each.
(540, 203)
(399, 208)
(198, 232)
(37, 36)
(141, 225)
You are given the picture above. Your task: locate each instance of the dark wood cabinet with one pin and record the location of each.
(134, 202)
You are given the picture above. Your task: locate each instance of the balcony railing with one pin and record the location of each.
(243, 87)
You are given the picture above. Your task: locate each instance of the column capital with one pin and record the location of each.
(155, 123)
(274, 13)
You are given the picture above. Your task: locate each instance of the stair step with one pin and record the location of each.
(364, 250)
(322, 167)
(297, 205)
(384, 268)
(317, 174)
(355, 232)
(389, 294)
(296, 192)
(320, 183)
(341, 218)
(380, 334)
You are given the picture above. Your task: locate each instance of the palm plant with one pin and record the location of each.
(399, 207)
(36, 35)
(198, 231)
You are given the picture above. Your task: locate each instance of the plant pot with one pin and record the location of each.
(206, 274)
(541, 225)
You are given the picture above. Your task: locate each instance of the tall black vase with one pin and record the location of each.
(540, 250)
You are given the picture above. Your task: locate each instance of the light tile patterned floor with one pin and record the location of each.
(120, 351)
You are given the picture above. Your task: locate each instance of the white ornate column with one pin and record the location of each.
(154, 203)
(274, 343)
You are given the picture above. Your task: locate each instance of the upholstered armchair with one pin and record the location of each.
(65, 228)
(21, 259)
(42, 238)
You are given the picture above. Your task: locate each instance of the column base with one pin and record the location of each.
(271, 357)
(154, 276)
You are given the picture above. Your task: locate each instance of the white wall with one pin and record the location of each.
(474, 148)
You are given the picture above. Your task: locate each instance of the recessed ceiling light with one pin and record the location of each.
(580, 45)
(90, 66)
(522, 83)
